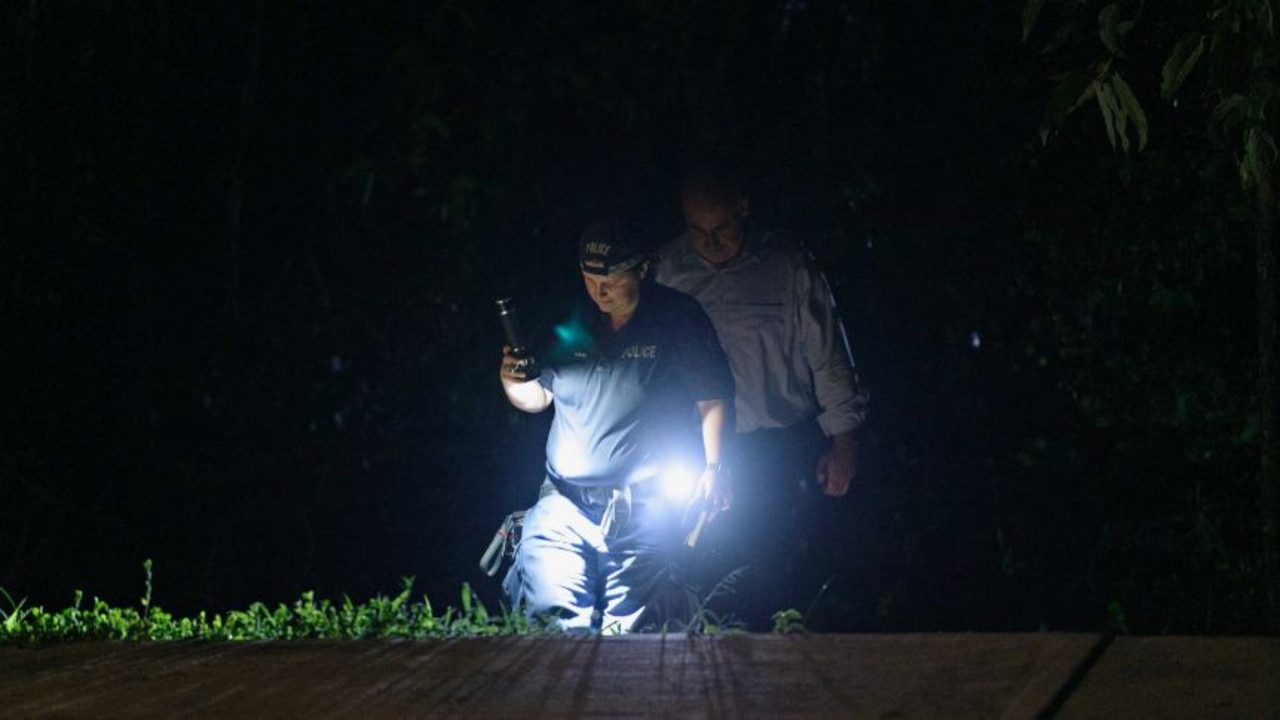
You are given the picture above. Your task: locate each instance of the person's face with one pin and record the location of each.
(718, 229)
(615, 294)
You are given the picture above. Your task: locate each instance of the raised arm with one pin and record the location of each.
(524, 394)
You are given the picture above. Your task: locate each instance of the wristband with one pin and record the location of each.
(715, 467)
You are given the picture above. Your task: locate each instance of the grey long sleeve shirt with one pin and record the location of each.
(776, 319)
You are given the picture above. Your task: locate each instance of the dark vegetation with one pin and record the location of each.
(249, 254)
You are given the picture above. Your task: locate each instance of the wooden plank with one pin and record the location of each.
(916, 676)
(1182, 677)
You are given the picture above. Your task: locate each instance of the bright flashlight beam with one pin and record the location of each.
(677, 482)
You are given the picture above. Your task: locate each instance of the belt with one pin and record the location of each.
(613, 503)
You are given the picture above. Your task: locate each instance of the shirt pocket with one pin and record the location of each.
(749, 325)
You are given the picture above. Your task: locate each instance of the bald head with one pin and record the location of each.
(715, 209)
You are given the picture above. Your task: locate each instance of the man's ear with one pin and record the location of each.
(643, 270)
(744, 206)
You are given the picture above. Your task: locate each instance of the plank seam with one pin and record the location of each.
(1076, 679)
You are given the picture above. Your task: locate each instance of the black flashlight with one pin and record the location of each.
(511, 326)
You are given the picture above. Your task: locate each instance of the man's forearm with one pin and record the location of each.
(713, 428)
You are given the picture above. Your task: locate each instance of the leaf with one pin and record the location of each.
(1119, 117)
(1227, 115)
(1108, 28)
(1073, 90)
(1106, 104)
(430, 125)
(1258, 158)
(1132, 108)
(1181, 62)
(1030, 12)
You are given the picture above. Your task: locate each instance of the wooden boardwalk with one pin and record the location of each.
(730, 676)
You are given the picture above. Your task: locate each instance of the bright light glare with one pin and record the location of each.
(570, 457)
(677, 481)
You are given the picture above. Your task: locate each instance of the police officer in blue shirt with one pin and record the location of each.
(600, 545)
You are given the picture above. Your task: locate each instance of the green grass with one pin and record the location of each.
(306, 618)
(379, 617)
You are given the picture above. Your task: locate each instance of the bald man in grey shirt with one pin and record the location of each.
(798, 402)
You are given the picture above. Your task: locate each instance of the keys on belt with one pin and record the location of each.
(614, 501)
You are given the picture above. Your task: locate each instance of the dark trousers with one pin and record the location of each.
(783, 538)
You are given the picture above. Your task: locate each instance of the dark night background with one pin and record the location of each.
(250, 252)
